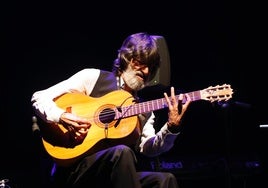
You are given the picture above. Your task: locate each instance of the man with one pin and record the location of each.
(115, 165)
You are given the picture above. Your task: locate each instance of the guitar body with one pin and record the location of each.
(104, 131)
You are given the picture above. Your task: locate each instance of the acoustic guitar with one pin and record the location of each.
(114, 119)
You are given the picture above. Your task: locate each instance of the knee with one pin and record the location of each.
(125, 152)
(123, 149)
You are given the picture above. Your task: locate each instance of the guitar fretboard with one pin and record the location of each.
(152, 105)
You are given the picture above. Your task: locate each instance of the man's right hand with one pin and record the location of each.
(77, 126)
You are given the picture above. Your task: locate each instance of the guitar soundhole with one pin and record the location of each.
(107, 116)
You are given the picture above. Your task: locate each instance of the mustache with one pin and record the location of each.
(142, 75)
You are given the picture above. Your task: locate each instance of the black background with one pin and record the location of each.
(210, 42)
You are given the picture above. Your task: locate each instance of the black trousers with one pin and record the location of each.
(114, 168)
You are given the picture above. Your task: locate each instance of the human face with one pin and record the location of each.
(136, 75)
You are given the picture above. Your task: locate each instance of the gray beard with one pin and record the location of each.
(131, 80)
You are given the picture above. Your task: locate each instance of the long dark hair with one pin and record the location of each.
(139, 46)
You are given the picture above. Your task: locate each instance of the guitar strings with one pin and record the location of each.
(146, 106)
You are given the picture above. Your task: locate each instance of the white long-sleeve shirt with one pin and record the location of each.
(43, 101)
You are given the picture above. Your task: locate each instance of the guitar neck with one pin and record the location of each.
(153, 105)
(213, 93)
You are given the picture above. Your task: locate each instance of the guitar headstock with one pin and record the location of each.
(217, 93)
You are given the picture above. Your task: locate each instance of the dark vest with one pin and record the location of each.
(105, 84)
